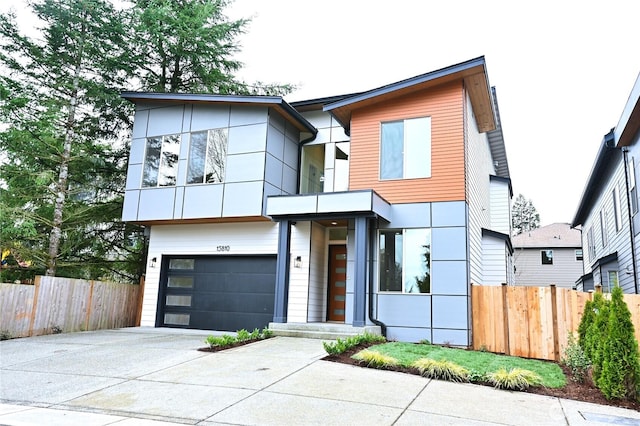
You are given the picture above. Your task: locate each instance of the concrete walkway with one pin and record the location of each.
(146, 376)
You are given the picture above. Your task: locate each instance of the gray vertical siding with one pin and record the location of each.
(262, 160)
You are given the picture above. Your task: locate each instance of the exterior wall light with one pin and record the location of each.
(153, 263)
(297, 262)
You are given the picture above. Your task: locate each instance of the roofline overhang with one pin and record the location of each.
(507, 180)
(496, 142)
(276, 102)
(605, 157)
(629, 123)
(499, 235)
(473, 71)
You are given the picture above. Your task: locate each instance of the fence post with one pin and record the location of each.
(34, 308)
(554, 316)
(505, 319)
(140, 300)
(90, 302)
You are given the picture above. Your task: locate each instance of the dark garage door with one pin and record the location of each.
(226, 293)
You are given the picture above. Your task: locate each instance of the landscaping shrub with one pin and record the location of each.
(596, 334)
(443, 370)
(375, 359)
(619, 375)
(575, 359)
(514, 379)
(241, 336)
(343, 345)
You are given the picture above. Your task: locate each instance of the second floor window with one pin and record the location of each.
(207, 156)
(161, 161)
(405, 149)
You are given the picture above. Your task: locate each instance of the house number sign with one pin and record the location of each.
(223, 248)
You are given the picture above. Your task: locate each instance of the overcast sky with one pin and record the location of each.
(563, 69)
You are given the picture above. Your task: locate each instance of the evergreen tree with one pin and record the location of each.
(59, 96)
(620, 373)
(188, 46)
(524, 216)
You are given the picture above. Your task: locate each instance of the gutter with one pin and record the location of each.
(383, 327)
(625, 151)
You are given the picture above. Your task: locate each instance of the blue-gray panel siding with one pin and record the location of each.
(136, 152)
(449, 277)
(140, 125)
(403, 310)
(450, 312)
(451, 337)
(410, 216)
(177, 207)
(242, 114)
(209, 117)
(202, 201)
(245, 167)
(242, 199)
(156, 203)
(250, 138)
(165, 121)
(273, 171)
(408, 334)
(448, 244)
(291, 153)
(130, 205)
(289, 180)
(453, 213)
(275, 143)
(134, 175)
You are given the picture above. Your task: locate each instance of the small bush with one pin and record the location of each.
(266, 333)
(342, 345)
(243, 335)
(443, 370)
(220, 341)
(620, 372)
(576, 360)
(514, 379)
(477, 376)
(375, 359)
(5, 335)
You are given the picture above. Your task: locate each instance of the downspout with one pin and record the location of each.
(631, 233)
(371, 248)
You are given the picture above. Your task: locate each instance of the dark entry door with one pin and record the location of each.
(226, 293)
(337, 282)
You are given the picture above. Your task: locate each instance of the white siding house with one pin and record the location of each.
(608, 209)
(551, 254)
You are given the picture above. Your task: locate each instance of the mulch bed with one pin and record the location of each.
(585, 392)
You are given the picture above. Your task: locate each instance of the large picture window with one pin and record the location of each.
(405, 149)
(161, 161)
(207, 156)
(405, 261)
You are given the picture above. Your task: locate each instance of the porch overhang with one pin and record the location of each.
(336, 205)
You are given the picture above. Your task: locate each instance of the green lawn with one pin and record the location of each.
(478, 362)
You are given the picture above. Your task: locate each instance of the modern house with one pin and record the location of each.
(374, 209)
(608, 209)
(550, 254)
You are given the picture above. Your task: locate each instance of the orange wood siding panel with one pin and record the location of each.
(444, 105)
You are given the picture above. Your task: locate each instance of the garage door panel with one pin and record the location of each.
(228, 292)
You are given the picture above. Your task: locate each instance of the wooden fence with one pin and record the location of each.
(55, 305)
(531, 322)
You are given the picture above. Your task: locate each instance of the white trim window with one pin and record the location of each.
(616, 208)
(207, 156)
(579, 256)
(405, 149)
(405, 260)
(633, 195)
(546, 257)
(161, 161)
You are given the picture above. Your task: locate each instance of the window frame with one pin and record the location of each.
(616, 208)
(211, 139)
(548, 255)
(157, 171)
(604, 232)
(579, 257)
(408, 261)
(412, 147)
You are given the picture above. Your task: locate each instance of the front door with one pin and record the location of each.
(337, 282)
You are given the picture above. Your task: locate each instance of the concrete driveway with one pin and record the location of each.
(147, 376)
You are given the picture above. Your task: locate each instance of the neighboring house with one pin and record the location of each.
(376, 208)
(608, 209)
(551, 254)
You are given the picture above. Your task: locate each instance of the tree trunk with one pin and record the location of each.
(62, 186)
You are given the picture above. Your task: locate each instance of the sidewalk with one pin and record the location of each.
(146, 376)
